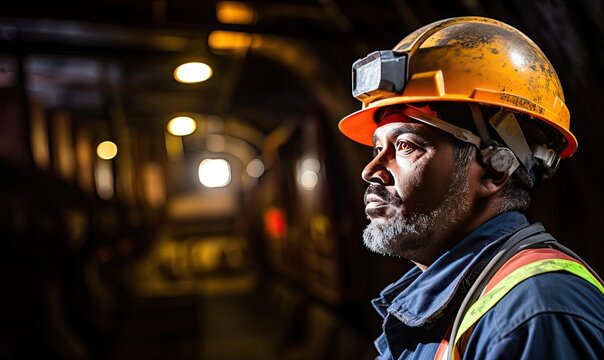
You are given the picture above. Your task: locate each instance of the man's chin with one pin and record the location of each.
(400, 235)
(377, 220)
(381, 213)
(378, 237)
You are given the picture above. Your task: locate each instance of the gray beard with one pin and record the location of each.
(402, 236)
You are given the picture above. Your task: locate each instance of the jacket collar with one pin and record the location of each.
(421, 298)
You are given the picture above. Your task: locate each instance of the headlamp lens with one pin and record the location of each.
(366, 74)
(380, 70)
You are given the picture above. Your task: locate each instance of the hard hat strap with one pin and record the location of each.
(460, 133)
(548, 158)
(500, 159)
(505, 124)
(480, 124)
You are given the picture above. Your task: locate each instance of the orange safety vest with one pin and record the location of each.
(523, 265)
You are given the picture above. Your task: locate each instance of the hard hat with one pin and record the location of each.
(466, 59)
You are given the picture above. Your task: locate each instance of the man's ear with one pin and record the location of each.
(498, 164)
(491, 181)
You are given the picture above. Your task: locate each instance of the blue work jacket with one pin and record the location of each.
(549, 316)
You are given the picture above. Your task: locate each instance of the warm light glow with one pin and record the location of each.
(193, 72)
(255, 168)
(63, 145)
(39, 135)
(235, 12)
(207, 254)
(182, 126)
(214, 173)
(309, 179)
(106, 150)
(229, 40)
(216, 143)
(153, 184)
(103, 178)
(311, 164)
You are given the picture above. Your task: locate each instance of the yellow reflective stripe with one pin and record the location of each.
(485, 303)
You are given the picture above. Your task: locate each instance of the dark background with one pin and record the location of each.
(263, 268)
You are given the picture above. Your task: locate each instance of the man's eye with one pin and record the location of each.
(376, 150)
(404, 147)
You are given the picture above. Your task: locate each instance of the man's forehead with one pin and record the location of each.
(392, 115)
(395, 115)
(395, 119)
(397, 128)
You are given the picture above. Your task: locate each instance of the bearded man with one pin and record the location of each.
(466, 116)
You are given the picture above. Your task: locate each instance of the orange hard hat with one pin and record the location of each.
(466, 59)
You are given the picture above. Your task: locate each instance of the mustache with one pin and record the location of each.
(382, 193)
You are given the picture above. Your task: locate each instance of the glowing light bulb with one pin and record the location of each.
(193, 72)
(214, 173)
(106, 150)
(182, 126)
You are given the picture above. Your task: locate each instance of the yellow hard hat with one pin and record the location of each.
(466, 59)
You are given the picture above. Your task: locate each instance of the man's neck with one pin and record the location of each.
(448, 239)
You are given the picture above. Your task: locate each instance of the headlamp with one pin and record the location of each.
(380, 71)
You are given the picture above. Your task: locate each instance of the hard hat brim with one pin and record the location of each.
(360, 125)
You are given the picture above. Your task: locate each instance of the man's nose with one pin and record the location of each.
(376, 171)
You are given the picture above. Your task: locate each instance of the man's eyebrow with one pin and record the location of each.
(404, 129)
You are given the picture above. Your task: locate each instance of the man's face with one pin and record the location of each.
(415, 192)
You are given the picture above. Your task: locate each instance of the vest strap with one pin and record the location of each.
(500, 285)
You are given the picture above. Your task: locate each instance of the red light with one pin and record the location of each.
(274, 223)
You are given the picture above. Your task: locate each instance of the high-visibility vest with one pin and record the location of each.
(523, 265)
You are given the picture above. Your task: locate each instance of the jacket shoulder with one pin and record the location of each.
(550, 293)
(552, 315)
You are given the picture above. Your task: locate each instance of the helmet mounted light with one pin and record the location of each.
(380, 71)
(431, 65)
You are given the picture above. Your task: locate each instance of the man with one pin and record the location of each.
(466, 116)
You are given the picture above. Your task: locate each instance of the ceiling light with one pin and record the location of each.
(181, 126)
(193, 72)
(235, 12)
(229, 40)
(214, 173)
(106, 150)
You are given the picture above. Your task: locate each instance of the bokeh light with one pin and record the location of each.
(235, 12)
(255, 168)
(181, 126)
(193, 72)
(214, 173)
(106, 150)
(309, 179)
